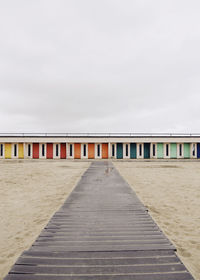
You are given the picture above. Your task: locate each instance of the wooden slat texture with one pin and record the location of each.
(141, 276)
(101, 232)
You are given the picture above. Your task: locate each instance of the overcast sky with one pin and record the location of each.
(100, 66)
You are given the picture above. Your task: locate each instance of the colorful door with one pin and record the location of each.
(49, 150)
(35, 150)
(160, 150)
(119, 150)
(104, 150)
(91, 151)
(198, 150)
(146, 150)
(186, 150)
(20, 150)
(77, 151)
(173, 150)
(8, 150)
(133, 150)
(63, 153)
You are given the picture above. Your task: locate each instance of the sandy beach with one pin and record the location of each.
(171, 192)
(30, 193)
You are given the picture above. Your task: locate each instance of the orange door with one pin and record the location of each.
(104, 150)
(91, 150)
(77, 150)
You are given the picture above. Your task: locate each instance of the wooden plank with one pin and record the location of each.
(99, 238)
(142, 276)
(112, 247)
(98, 261)
(95, 270)
(99, 243)
(97, 254)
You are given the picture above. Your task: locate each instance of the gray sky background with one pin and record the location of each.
(100, 66)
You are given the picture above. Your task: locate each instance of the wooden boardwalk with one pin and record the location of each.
(102, 232)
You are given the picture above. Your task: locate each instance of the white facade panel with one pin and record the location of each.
(2, 150)
(193, 150)
(98, 148)
(126, 150)
(56, 150)
(42, 150)
(140, 150)
(70, 150)
(84, 151)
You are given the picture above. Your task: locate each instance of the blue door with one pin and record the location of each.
(119, 150)
(198, 150)
(133, 151)
(146, 150)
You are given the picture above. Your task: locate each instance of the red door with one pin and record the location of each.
(35, 150)
(49, 150)
(63, 153)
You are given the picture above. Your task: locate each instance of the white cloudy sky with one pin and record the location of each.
(100, 66)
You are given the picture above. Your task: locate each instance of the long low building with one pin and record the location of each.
(99, 146)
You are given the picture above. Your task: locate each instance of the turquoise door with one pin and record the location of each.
(119, 150)
(146, 150)
(133, 150)
(173, 150)
(186, 150)
(160, 150)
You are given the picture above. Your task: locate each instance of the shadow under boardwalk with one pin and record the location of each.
(102, 232)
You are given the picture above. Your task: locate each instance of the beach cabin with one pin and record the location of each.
(121, 146)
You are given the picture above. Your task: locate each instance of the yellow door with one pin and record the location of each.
(8, 150)
(20, 150)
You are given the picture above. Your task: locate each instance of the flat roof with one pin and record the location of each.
(101, 135)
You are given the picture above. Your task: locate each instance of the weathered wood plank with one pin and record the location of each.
(106, 269)
(99, 261)
(142, 276)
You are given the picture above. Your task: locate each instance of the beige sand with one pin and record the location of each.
(30, 193)
(171, 191)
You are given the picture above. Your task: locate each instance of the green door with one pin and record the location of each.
(160, 150)
(186, 150)
(173, 150)
(119, 150)
(146, 150)
(133, 150)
